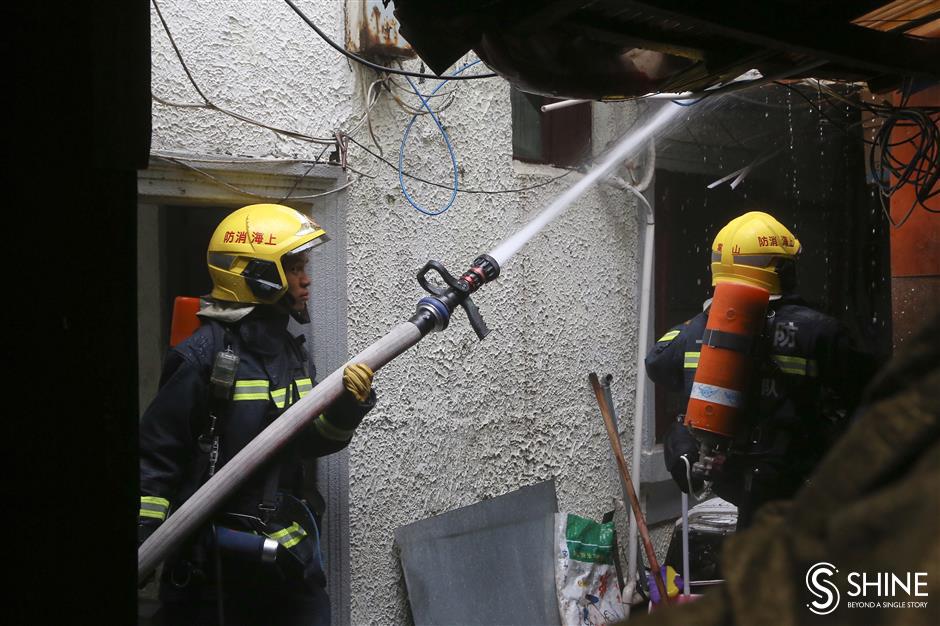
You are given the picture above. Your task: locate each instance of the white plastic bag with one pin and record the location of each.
(585, 578)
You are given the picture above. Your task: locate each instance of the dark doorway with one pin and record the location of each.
(186, 233)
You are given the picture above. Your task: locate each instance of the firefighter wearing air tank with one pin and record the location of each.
(770, 381)
(258, 561)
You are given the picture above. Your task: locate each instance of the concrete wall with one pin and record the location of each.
(458, 420)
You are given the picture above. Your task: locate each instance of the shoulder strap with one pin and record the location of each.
(221, 383)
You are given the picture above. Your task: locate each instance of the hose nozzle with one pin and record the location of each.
(434, 311)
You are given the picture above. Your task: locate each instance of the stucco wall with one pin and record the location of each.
(458, 420)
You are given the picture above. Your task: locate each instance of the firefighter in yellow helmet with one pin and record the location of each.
(806, 379)
(258, 560)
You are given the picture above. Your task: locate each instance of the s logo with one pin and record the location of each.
(823, 589)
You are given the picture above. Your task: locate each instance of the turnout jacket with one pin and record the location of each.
(272, 373)
(808, 378)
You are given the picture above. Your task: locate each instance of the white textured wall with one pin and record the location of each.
(458, 420)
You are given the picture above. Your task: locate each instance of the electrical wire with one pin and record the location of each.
(367, 63)
(370, 102)
(440, 127)
(210, 105)
(840, 126)
(688, 477)
(181, 162)
(462, 189)
(736, 85)
(392, 82)
(372, 97)
(375, 140)
(309, 169)
(407, 108)
(183, 157)
(921, 171)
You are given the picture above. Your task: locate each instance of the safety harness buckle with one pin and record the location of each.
(266, 511)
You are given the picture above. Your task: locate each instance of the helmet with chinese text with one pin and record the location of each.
(246, 251)
(756, 249)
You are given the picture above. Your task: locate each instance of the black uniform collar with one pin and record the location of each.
(263, 330)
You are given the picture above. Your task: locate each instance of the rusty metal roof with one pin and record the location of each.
(600, 48)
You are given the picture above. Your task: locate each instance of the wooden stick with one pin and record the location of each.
(197, 509)
(628, 486)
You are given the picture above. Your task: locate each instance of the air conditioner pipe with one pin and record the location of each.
(648, 224)
(433, 313)
(561, 104)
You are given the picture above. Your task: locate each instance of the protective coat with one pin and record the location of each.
(809, 378)
(273, 372)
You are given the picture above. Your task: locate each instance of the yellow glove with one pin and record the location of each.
(357, 379)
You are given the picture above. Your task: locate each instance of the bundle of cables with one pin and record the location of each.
(905, 149)
(913, 161)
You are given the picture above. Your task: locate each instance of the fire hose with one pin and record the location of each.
(433, 314)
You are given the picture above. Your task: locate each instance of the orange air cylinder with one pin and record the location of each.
(185, 321)
(735, 320)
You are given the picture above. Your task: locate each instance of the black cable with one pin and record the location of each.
(461, 189)
(367, 63)
(921, 171)
(305, 174)
(818, 108)
(427, 96)
(212, 106)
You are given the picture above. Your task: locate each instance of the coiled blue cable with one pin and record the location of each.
(450, 148)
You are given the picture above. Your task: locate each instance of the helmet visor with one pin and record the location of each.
(313, 243)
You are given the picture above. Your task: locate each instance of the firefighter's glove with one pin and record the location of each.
(357, 379)
(679, 442)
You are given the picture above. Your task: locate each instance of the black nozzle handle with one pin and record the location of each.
(452, 282)
(476, 320)
(457, 292)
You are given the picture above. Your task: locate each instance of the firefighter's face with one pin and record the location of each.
(298, 283)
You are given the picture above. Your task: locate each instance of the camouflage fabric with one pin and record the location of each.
(873, 505)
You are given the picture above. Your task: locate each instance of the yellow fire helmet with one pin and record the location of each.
(755, 249)
(247, 248)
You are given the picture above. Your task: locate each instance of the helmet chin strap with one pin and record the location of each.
(287, 302)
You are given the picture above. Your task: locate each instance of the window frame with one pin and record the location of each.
(565, 136)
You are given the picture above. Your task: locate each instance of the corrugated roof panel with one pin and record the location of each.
(930, 29)
(895, 15)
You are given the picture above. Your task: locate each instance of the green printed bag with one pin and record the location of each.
(585, 578)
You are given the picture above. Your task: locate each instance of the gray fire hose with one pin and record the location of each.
(433, 313)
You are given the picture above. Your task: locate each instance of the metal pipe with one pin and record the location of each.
(643, 340)
(686, 574)
(560, 105)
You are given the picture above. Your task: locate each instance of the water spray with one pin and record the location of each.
(433, 314)
(628, 144)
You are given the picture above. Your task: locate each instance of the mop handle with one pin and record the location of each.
(658, 575)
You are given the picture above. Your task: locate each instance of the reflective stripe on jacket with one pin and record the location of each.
(272, 374)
